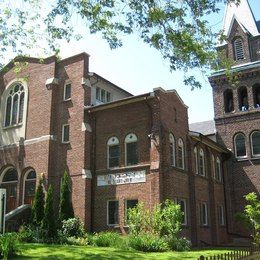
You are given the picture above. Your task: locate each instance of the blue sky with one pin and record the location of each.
(138, 68)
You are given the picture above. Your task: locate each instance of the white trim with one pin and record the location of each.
(181, 144)
(24, 180)
(202, 155)
(235, 145)
(62, 134)
(195, 152)
(213, 166)
(218, 170)
(112, 225)
(64, 91)
(251, 141)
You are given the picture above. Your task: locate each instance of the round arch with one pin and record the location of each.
(29, 186)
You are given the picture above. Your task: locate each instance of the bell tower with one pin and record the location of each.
(237, 107)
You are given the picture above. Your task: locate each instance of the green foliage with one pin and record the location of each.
(66, 209)
(163, 220)
(148, 243)
(8, 245)
(77, 241)
(72, 227)
(106, 239)
(38, 205)
(179, 30)
(179, 244)
(49, 221)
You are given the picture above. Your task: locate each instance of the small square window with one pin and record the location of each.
(112, 212)
(65, 133)
(67, 92)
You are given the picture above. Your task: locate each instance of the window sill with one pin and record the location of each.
(113, 225)
(179, 169)
(66, 100)
(255, 157)
(65, 142)
(12, 126)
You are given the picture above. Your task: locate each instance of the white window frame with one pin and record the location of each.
(64, 91)
(181, 143)
(218, 170)
(128, 141)
(195, 153)
(25, 179)
(63, 127)
(185, 221)
(235, 146)
(110, 143)
(201, 153)
(213, 165)
(221, 215)
(172, 149)
(112, 225)
(98, 97)
(251, 142)
(206, 211)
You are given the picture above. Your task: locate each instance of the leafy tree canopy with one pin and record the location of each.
(179, 30)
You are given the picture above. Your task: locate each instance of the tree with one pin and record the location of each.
(49, 222)
(66, 209)
(177, 29)
(252, 214)
(38, 204)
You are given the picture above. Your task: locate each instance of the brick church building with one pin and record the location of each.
(121, 149)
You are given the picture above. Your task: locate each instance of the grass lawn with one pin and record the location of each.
(43, 251)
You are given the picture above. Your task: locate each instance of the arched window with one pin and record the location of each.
(256, 95)
(172, 149)
(239, 49)
(213, 166)
(180, 154)
(9, 182)
(228, 100)
(218, 170)
(243, 99)
(255, 142)
(196, 159)
(29, 186)
(201, 162)
(113, 155)
(131, 154)
(240, 145)
(14, 105)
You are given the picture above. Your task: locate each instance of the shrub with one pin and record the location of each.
(72, 227)
(49, 222)
(66, 209)
(179, 244)
(106, 239)
(26, 234)
(148, 243)
(38, 205)
(8, 245)
(78, 241)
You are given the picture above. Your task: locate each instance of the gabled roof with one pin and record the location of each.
(244, 16)
(205, 127)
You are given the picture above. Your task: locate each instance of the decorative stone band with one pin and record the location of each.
(29, 141)
(121, 178)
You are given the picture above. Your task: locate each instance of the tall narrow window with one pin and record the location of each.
(228, 100)
(243, 99)
(203, 214)
(180, 154)
(131, 153)
(29, 186)
(256, 95)
(213, 166)
(67, 91)
(239, 49)
(14, 106)
(201, 163)
(240, 145)
(129, 204)
(196, 160)
(65, 133)
(218, 170)
(255, 141)
(113, 152)
(183, 205)
(221, 215)
(172, 149)
(112, 212)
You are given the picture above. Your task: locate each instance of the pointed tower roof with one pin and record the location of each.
(243, 15)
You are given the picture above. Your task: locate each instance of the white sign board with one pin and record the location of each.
(2, 210)
(121, 178)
